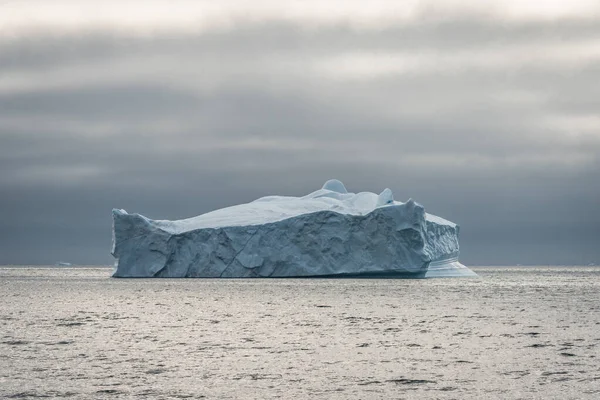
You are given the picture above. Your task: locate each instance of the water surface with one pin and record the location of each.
(518, 332)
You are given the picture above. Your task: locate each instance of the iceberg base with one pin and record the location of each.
(437, 269)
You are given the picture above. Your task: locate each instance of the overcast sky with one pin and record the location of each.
(487, 113)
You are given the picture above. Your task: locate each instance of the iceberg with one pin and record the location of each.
(327, 233)
(63, 264)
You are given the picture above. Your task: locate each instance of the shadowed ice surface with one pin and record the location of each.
(511, 333)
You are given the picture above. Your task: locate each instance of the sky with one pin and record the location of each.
(485, 112)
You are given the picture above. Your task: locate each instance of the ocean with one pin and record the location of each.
(511, 333)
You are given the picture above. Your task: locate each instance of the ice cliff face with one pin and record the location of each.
(329, 232)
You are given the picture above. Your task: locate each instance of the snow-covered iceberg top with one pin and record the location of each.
(329, 232)
(332, 197)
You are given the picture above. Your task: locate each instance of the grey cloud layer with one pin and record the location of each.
(175, 125)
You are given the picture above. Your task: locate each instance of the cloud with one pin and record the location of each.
(487, 120)
(199, 16)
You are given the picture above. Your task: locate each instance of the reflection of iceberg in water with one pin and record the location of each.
(328, 233)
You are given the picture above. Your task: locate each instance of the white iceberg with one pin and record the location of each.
(63, 264)
(328, 233)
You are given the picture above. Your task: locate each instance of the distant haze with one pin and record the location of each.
(487, 113)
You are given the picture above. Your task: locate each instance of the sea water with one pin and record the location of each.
(512, 332)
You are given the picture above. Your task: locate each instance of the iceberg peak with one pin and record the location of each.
(386, 197)
(335, 186)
